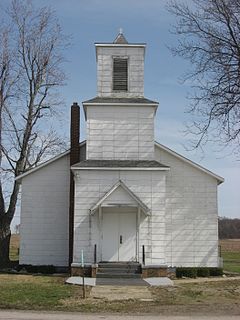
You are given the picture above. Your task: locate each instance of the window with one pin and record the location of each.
(120, 74)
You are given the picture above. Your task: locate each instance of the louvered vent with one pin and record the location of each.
(120, 74)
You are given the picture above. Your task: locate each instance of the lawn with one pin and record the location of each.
(50, 293)
(33, 292)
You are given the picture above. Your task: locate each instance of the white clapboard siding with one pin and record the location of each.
(120, 132)
(135, 57)
(191, 214)
(44, 215)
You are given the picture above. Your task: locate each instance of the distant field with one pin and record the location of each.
(230, 245)
(14, 247)
(230, 251)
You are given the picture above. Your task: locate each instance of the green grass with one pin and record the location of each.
(231, 261)
(30, 292)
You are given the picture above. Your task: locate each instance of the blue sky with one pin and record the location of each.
(89, 21)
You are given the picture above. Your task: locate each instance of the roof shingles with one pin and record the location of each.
(119, 100)
(119, 164)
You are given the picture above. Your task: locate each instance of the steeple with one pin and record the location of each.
(120, 39)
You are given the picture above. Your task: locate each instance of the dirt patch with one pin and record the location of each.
(121, 293)
(202, 292)
(208, 298)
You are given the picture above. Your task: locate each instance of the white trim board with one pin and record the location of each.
(152, 104)
(141, 45)
(122, 168)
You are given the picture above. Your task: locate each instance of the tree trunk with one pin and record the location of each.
(5, 223)
(5, 236)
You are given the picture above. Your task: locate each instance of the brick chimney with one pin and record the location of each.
(74, 158)
(75, 134)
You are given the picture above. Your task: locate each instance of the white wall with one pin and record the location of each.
(191, 214)
(120, 132)
(92, 185)
(185, 233)
(44, 215)
(135, 57)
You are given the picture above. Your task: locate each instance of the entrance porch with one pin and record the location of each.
(119, 230)
(118, 216)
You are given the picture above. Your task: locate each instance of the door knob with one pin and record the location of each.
(121, 239)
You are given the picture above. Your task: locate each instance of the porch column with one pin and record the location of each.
(138, 226)
(100, 232)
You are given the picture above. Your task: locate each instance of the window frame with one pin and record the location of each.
(127, 78)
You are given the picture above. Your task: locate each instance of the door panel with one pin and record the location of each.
(119, 237)
(110, 237)
(127, 231)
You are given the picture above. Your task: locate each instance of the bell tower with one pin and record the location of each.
(120, 68)
(120, 121)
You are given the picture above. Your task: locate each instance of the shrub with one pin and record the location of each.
(203, 272)
(191, 272)
(45, 269)
(186, 272)
(216, 272)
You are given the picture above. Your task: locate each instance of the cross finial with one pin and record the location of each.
(120, 31)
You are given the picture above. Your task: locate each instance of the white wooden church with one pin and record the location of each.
(119, 196)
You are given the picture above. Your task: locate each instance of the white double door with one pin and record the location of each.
(119, 236)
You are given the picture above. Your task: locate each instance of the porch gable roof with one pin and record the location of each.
(121, 184)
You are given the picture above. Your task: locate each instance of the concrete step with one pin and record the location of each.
(118, 270)
(119, 275)
(121, 265)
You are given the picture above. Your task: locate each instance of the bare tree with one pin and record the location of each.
(228, 228)
(31, 56)
(209, 37)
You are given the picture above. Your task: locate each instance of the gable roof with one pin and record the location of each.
(157, 144)
(121, 184)
(46, 163)
(42, 165)
(192, 163)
